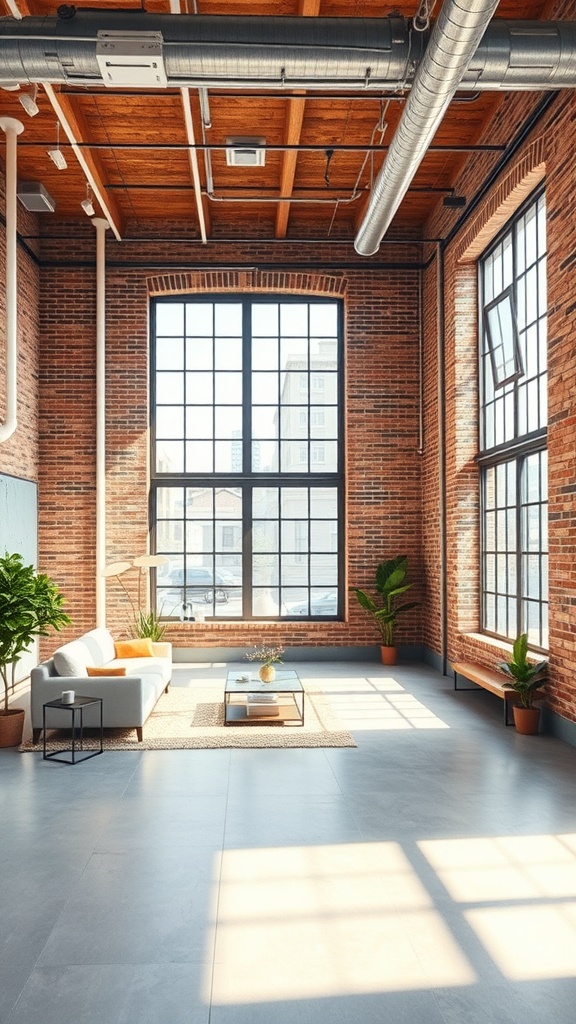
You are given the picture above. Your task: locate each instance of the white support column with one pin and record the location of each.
(12, 129)
(101, 226)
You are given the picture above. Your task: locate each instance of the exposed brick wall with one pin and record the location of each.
(383, 475)
(552, 147)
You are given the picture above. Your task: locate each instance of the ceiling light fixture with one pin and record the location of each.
(87, 204)
(56, 155)
(28, 100)
(243, 151)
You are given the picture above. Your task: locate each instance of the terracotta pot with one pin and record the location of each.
(11, 727)
(526, 720)
(267, 673)
(388, 655)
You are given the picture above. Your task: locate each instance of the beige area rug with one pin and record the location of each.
(193, 718)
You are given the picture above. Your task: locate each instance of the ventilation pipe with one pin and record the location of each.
(89, 47)
(12, 128)
(452, 45)
(101, 226)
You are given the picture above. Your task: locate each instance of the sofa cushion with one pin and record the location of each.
(71, 659)
(100, 644)
(137, 648)
(105, 670)
(160, 667)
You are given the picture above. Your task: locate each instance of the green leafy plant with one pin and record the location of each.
(30, 605)
(390, 585)
(525, 676)
(148, 624)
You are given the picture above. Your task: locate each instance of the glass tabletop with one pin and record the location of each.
(286, 681)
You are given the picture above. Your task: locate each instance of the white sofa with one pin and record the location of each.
(127, 700)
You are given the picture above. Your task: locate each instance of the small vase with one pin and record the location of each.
(267, 673)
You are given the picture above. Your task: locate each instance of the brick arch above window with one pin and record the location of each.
(503, 202)
(277, 282)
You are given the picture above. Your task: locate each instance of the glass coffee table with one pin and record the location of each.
(252, 702)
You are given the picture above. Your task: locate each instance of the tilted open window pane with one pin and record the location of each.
(502, 338)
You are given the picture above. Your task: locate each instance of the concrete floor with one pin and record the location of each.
(429, 875)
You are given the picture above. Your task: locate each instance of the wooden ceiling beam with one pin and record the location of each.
(203, 216)
(294, 120)
(75, 129)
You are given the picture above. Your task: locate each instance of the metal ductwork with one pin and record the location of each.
(452, 45)
(245, 52)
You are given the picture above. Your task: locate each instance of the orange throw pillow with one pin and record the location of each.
(134, 648)
(91, 670)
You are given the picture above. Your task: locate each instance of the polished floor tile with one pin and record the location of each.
(428, 874)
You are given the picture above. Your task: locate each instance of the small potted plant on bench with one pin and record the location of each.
(526, 679)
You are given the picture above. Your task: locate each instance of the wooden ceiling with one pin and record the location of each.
(313, 189)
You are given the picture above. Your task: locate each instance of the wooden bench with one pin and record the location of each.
(488, 679)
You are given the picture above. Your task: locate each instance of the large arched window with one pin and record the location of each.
(247, 456)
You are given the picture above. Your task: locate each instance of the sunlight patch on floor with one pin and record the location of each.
(529, 942)
(504, 867)
(527, 935)
(395, 709)
(312, 922)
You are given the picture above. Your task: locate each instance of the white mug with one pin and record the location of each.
(68, 696)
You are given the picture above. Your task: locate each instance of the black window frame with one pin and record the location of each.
(514, 451)
(247, 479)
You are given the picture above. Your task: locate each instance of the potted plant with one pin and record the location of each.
(390, 585)
(525, 678)
(30, 604)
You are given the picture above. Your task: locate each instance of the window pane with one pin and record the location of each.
(265, 455)
(294, 319)
(169, 354)
(228, 388)
(199, 457)
(199, 354)
(264, 354)
(228, 319)
(324, 319)
(265, 319)
(228, 354)
(199, 388)
(170, 319)
(200, 319)
(169, 457)
(169, 388)
(170, 421)
(264, 388)
(294, 354)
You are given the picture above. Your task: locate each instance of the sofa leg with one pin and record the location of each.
(36, 735)
(139, 733)
(167, 687)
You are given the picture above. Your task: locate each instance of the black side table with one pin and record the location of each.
(76, 709)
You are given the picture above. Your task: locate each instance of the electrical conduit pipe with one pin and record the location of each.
(12, 128)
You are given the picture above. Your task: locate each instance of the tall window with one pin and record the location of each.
(513, 455)
(247, 457)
